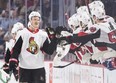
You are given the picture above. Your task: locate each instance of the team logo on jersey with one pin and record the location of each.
(33, 47)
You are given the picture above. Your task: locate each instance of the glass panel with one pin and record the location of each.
(46, 11)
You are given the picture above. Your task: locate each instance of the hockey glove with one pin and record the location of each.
(51, 32)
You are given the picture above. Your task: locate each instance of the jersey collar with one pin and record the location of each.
(33, 31)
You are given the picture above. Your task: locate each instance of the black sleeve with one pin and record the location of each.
(82, 39)
(49, 48)
(104, 44)
(17, 48)
(99, 44)
(7, 55)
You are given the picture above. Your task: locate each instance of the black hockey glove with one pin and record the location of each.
(6, 68)
(13, 63)
(51, 32)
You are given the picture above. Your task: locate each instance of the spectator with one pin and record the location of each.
(34, 7)
(20, 4)
(5, 20)
(13, 17)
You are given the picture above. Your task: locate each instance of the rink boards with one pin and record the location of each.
(77, 73)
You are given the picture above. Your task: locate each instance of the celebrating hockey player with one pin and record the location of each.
(31, 44)
(78, 38)
(8, 48)
(104, 46)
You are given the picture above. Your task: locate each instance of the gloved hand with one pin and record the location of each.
(13, 64)
(51, 32)
(6, 68)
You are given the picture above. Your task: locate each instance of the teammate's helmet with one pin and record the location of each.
(16, 27)
(95, 4)
(84, 18)
(34, 13)
(82, 9)
(73, 21)
(98, 12)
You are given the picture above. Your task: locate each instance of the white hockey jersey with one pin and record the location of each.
(108, 31)
(108, 35)
(31, 56)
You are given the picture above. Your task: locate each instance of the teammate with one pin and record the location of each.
(9, 45)
(31, 44)
(107, 28)
(104, 46)
(77, 39)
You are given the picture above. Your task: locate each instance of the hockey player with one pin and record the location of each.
(9, 45)
(106, 25)
(77, 38)
(31, 44)
(104, 45)
(98, 5)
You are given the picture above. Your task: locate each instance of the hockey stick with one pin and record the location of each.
(66, 64)
(63, 66)
(87, 4)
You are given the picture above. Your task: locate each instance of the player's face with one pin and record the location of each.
(13, 35)
(35, 21)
